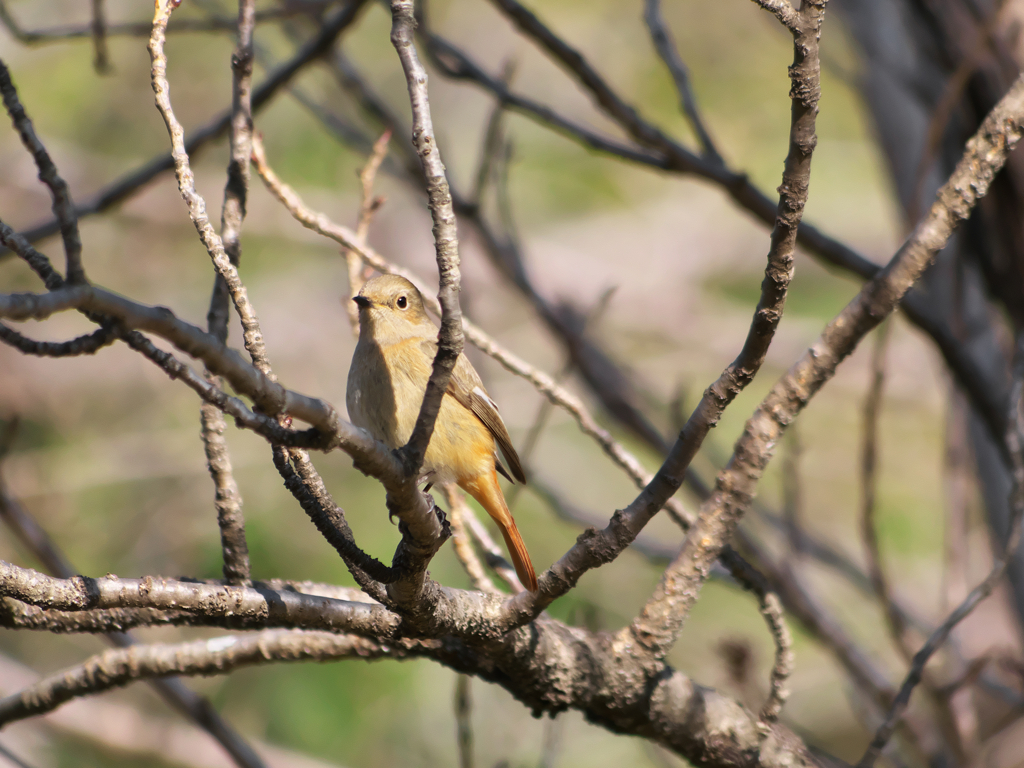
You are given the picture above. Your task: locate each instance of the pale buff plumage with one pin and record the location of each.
(390, 368)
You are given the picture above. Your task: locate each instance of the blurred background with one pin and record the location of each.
(108, 457)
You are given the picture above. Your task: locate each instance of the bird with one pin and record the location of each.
(388, 377)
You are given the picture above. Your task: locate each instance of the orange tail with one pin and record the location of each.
(485, 489)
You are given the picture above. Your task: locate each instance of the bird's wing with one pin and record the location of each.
(467, 389)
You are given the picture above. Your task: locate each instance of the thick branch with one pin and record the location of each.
(253, 607)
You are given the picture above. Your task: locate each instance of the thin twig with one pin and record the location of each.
(101, 58)
(302, 480)
(463, 720)
(446, 243)
(771, 609)
(252, 336)
(120, 667)
(458, 511)
(368, 206)
(666, 47)
(63, 207)
(228, 498)
(137, 28)
(87, 344)
(129, 184)
(1015, 446)
(869, 490)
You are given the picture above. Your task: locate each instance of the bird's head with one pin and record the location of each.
(391, 310)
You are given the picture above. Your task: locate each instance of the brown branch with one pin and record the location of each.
(87, 344)
(131, 182)
(16, 614)
(666, 48)
(60, 34)
(63, 207)
(663, 153)
(869, 487)
(458, 512)
(446, 243)
(218, 655)
(1015, 447)
(657, 626)
(986, 153)
(249, 606)
(368, 206)
(228, 499)
(252, 336)
(771, 609)
(463, 720)
(302, 480)
(98, 29)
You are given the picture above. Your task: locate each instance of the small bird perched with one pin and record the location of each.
(386, 383)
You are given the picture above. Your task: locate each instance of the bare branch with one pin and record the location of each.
(228, 499)
(248, 606)
(771, 609)
(986, 153)
(61, 34)
(101, 58)
(669, 54)
(251, 334)
(16, 614)
(117, 668)
(458, 513)
(367, 208)
(305, 484)
(131, 182)
(784, 11)
(657, 626)
(869, 483)
(87, 344)
(63, 207)
(446, 243)
(1015, 446)
(464, 724)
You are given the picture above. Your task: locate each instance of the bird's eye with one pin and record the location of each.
(402, 302)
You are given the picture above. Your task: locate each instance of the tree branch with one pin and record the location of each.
(218, 655)
(985, 154)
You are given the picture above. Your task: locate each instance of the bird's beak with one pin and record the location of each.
(362, 301)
